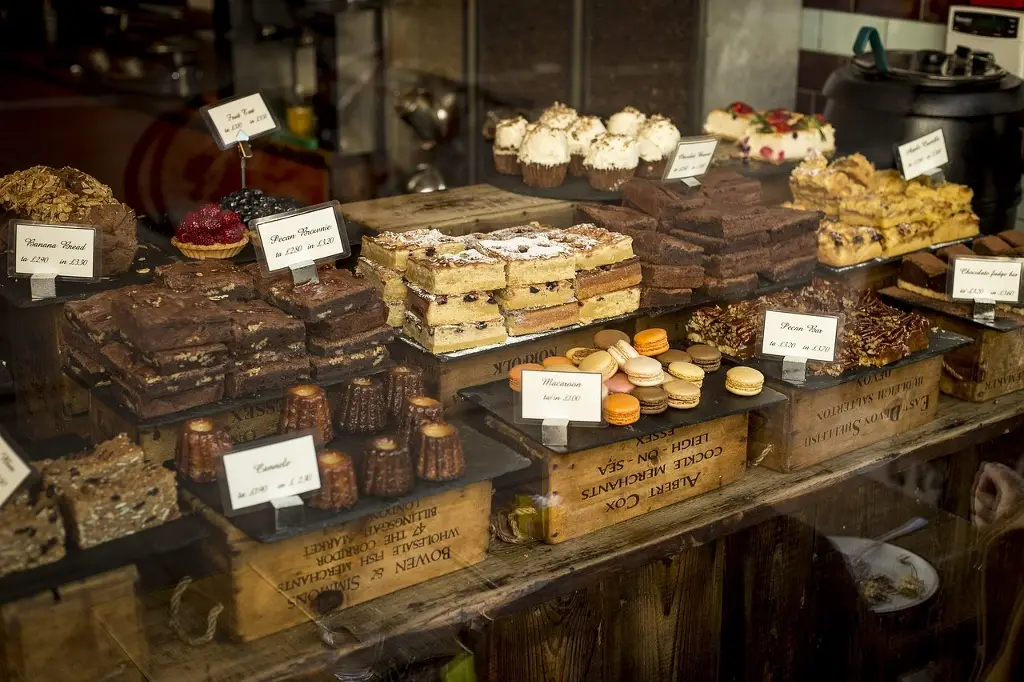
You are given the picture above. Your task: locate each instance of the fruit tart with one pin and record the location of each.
(209, 232)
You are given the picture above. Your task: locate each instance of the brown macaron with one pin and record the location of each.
(707, 358)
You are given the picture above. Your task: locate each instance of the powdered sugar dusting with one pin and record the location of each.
(525, 248)
(412, 239)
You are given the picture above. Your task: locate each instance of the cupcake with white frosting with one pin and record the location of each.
(582, 134)
(559, 116)
(656, 142)
(544, 157)
(626, 122)
(508, 136)
(611, 161)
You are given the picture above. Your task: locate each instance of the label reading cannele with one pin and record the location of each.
(54, 250)
(268, 472)
(922, 155)
(296, 238)
(691, 159)
(976, 278)
(575, 396)
(12, 471)
(799, 335)
(239, 119)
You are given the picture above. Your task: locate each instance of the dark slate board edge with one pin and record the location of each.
(1000, 324)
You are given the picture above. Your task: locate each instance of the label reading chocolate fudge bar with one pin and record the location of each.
(239, 119)
(257, 475)
(799, 335)
(922, 155)
(977, 278)
(691, 158)
(309, 235)
(59, 250)
(575, 396)
(12, 470)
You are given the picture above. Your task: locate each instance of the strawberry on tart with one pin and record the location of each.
(209, 233)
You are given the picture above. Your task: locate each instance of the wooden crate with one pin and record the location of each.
(459, 211)
(67, 633)
(590, 490)
(814, 426)
(267, 588)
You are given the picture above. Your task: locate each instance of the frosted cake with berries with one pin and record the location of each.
(775, 136)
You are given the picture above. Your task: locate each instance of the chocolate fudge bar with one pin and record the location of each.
(337, 292)
(923, 273)
(804, 245)
(724, 224)
(616, 218)
(31, 531)
(94, 316)
(991, 246)
(183, 359)
(146, 381)
(338, 367)
(718, 287)
(217, 280)
(87, 370)
(154, 318)
(326, 347)
(355, 322)
(662, 248)
(785, 223)
(256, 326)
(728, 186)
(719, 245)
(274, 376)
(673, 276)
(656, 200)
(734, 264)
(654, 297)
(792, 269)
(947, 253)
(289, 352)
(148, 407)
(72, 338)
(608, 278)
(1014, 238)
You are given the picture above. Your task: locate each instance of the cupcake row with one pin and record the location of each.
(562, 143)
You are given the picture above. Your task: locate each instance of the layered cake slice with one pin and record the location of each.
(612, 304)
(456, 273)
(392, 249)
(958, 226)
(905, 238)
(536, 295)
(531, 259)
(924, 274)
(535, 320)
(447, 338)
(731, 123)
(436, 309)
(881, 211)
(595, 246)
(608, 278)
(390, 283)
(840, 244)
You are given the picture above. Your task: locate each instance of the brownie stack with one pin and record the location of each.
(268, 349)
(217, 280)
(85, 328)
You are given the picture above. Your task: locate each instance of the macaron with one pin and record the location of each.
(577, 354)
(620, 383)
(600, 362)
(515, 375)
(653, 399)
(687, 371)
(562, 368)
(621, 409)
(744, 381)
(556, 360)
(622, 351)
(673, 355)
(609, 337)
(682, 395)
(707, 358)
(651, 342)
(644, 371)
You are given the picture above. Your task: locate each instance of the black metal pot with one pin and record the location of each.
(887, 97)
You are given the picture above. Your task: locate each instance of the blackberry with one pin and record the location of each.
(251, 203)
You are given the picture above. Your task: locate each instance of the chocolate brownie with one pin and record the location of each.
(719, 245)
(256, 325)
(94, 316)
(615, 218)
(991, 246)
(274, 376)
(338, 367)
(262, 357)
(1014, 238)
(155, 318)
(326, 347)
(789, 270)
(86, 369)
(804, 245)
(74, 339)
(717, 287)
(144, 380)
(355, 322)
(924, 270)
(655, 297)
(673, 276)
(656, 200)
(787, 223)
(724, 224)
(218, 280)
(947, 253)
(658, 247)
(734, 264)
(337, 292)
(731, 188)
(148, 407)
(183, 359)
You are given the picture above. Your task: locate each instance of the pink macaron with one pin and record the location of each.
(620, 383)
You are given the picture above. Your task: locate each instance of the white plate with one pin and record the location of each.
(885, 560)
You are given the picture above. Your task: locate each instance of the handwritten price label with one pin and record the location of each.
(12, 471)
(562, 395)
(239, 118)
(985, 279)
(800, 335)
(308, 236)
(692, 158)
(60, 250)
(268, 472)
(925, 154)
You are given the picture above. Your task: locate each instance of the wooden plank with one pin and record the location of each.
(458, 211)
(36, 370)
(271, 587)
(817, 425)
(513, 577)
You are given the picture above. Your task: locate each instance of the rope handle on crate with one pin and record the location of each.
(505, 525)
(179, 629)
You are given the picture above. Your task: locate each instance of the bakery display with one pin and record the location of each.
(200, 446)
(775, 135)
(210, 232)
(338, 486)
(874, 214)
(31, 529)
(387, 468)
(67, 195)
(437, 452)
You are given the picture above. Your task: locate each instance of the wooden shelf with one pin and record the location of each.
(516, 576)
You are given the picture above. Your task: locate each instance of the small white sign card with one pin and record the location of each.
(574, 396)
(799, 335)
(12, 470)
(296, 238)
(923, 155)
(239, 119)
(691, 159)
(268, 472)
(68, 251)
(977, 278)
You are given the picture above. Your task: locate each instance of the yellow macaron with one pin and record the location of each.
(687, 371)
(682, 395)
(745, 381)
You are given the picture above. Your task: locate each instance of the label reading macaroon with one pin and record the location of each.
(239, 119)
(922, 155)
(268, 472)
(58, 250)
(798, 335)
(976, 278)
(296, 238)
(691, 159)
(12, 471)
(575, 396)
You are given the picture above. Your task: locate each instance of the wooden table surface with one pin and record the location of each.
(517, 576)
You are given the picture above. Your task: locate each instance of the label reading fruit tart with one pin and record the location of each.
(297, 238)
(239, 119)
(68, 251)
(691, 158)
